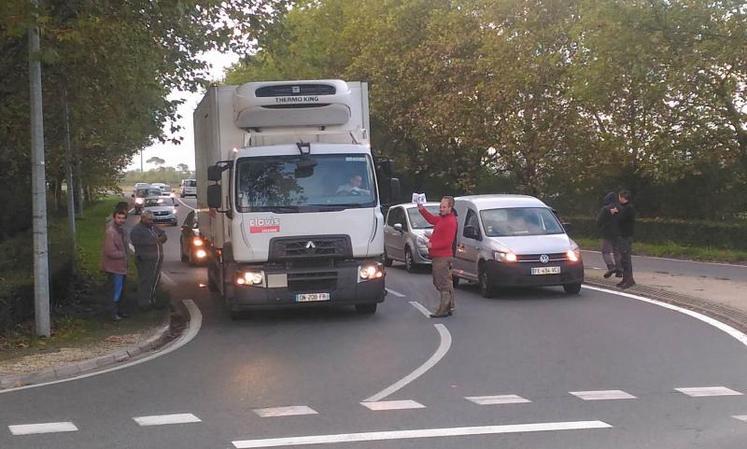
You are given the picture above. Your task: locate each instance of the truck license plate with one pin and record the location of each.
(311, 297)
(546, 270)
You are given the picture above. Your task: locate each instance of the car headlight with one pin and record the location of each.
(573, 254)
(138, 201)
(250, 278)
(421, 241)
(173, 210)
(196, 241)
(506, 257)
(200, 254)
(369, 271)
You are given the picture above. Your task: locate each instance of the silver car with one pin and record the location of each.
(163, 209)
(405, 235)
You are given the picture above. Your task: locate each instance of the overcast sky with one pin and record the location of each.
(185, 153)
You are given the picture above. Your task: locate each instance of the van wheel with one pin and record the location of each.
(486, 289)
(387, 261)
(366, 309)
(572, 289)
(409, 262)
(455, 281)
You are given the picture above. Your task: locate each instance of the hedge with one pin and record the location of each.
(658, 230)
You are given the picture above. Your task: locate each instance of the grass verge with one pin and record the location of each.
(675, 251)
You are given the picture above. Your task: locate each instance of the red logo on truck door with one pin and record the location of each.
(264, 225)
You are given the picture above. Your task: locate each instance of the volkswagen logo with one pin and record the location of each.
(310, 245)
(544, 258)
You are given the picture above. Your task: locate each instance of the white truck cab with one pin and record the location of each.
(288, 195)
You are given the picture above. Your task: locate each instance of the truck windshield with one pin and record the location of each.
(305, 184)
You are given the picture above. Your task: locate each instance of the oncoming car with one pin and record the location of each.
(163, 209)
(140, 195)
(405, 235)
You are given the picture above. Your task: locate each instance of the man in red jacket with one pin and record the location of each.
(441, 251)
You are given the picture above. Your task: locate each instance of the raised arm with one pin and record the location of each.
(429, 217)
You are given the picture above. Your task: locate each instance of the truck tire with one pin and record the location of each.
(366, 309)
(387, 261)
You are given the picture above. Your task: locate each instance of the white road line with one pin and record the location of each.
(740, 336)
(293, 410)
(195, 323)
(740, 417)
(669, 259)
(602, 395)
(392, 405)
(421, 308)
(168, 279)
(160, 420)
(443, 348)
(396, 293)
(701, 392)
(51, 427)
(498, 400)
(187, 205)
(420, 433)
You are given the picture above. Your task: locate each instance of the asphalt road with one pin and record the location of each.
(527, 350)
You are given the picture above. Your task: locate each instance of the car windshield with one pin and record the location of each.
(191, 183)
(313, 183)
(143, 193)
(519, 221)
(154, 202)
(417, 221)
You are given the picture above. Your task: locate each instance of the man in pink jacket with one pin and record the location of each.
(441, 250)
(114, 260)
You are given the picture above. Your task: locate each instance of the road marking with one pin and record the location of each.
(161, 420)
(740, 417)
(51, 427)
(392, 405)
(740, 336)
(443, 348)
(701, 392)
(168, 278)
(293, 410)
(498, 400)
(187, 205)
(421, 308)
(195, 323)
(396, 293)
(669, 259)
(602, 395)
(420, 433)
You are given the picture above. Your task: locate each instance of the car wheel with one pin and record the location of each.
(387, 261)
(486, 288)
(572, 289)
(366, 309)
(409, 261)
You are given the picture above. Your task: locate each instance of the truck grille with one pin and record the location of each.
(320, 281)
(311, 247)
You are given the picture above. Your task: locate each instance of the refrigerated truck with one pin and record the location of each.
(287, 195)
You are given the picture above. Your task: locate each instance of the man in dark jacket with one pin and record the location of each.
(608, 227)
(441, 251)
(148, 240)
(625, 220)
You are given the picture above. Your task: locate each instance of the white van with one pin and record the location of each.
(188, 188)
(511, 241)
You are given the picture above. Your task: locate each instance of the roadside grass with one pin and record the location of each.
(675, 251)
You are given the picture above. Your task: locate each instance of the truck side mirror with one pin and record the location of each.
(215, 196)
(215, 173)
(394, 189)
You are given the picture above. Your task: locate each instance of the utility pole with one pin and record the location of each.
(70, 185)
(141, 161)
(38, 187)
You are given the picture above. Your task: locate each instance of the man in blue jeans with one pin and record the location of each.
(114, 260)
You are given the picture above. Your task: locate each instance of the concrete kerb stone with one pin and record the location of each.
(158, 339)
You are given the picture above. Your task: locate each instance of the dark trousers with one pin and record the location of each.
(624, 246)
(441, 269)
(148, 275)
(610, 255)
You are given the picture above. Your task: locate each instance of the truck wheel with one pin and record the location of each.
(409, 262)
(572, 289)
(387, 261)
(366, 309)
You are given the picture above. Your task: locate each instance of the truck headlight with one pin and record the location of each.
(196, 241)
(507, 256)
(369, 271)
(250, 278)
(200, 254)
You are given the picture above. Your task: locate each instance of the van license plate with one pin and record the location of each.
(312, 297)
(546, 270)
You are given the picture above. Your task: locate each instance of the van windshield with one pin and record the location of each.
(520, 221)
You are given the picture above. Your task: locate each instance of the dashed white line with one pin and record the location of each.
(700, 392)
(51, 427)
(421, 308)
(293, 410)
(740, 417)
(498, 400)
(396, 293)
(420, 433)
(392, 405)
(602, 395)
(161, 420)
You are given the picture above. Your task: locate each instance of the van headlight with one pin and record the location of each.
(370, 271)
(250, 278)
(505, 256)
(573, 254)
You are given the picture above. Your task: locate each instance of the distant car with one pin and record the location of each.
(405, 233)
(191, 244)
(188, 188)
(137, 199)
(163, 209)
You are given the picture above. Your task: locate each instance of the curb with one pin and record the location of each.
(733, 317)
(51, 374)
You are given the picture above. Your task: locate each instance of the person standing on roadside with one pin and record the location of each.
(114, 260)
(610, 230)
(148, 240)
(625, 214)
(441, 251)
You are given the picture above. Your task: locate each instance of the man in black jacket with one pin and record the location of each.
(625, 220)
(148, 240)
(608, 227)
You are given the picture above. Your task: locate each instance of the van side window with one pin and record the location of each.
(471, 221)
